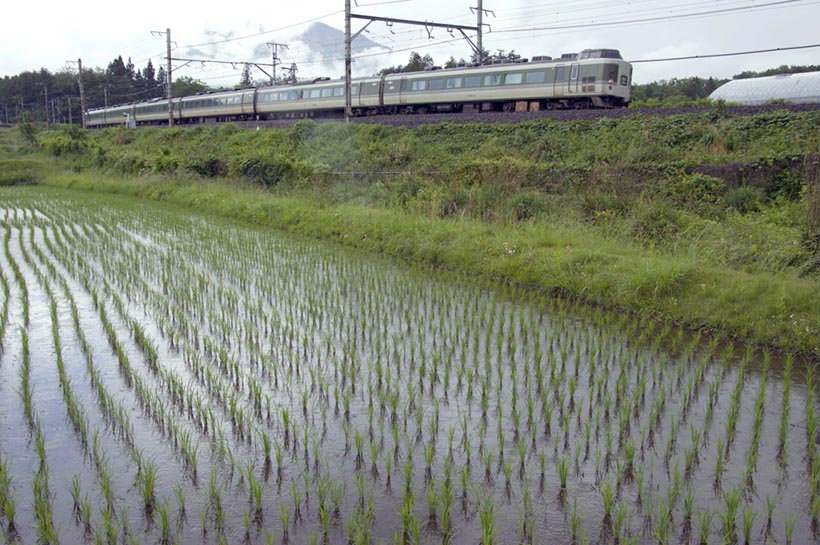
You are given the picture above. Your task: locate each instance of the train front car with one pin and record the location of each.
(595, 78)
(600, 76)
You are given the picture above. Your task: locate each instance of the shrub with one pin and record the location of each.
(696, 192)
(744, 199)
(527, 205)
(656, 222)
(302, 131)
(268, 170)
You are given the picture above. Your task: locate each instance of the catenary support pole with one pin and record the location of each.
(348, 97)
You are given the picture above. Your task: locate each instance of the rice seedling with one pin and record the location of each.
(563, 473)
(748, 518)
(181, 494)
(728, 517)
(164, 519)
(147, 478)
(284, 515)
(486, 514)
(576, 521)
(791, 520)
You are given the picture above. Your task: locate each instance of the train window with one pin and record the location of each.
(326, 92)
(418, 85)
(314, 93)
(436, 84)
(391, 86)
(354, 90)
(492, 79)
(535, 77)
(454, 83)
(514, 79)
(338, 91)
(472, 81)
(561, 74)
(574, 73)
(623, 80)
(371, 88)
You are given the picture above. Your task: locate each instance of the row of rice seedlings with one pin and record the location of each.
(4, 309)
(8, 498)
(18, 274)
(76, 413)
(41, 505)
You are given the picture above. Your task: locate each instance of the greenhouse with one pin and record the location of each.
(795, 88)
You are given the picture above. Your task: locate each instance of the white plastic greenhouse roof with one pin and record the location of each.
(795, 88)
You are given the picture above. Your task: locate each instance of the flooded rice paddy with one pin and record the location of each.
(172, 378)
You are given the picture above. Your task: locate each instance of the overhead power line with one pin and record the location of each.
(649, 19)
(776, 49)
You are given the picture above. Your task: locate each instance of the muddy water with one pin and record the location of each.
(410, 363)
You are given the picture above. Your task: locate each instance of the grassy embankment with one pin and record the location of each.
(702, 220)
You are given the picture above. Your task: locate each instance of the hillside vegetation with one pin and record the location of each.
(700, 219)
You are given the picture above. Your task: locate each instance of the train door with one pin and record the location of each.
(573, 79)
(403, 86)
(561, 78)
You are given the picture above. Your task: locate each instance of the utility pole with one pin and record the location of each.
(45, 90)
(274, 58)
(168, 74)
(480, 13)
(53, 113)
(70, 120)
(480, 43)
(82, 93)
(348, 98)
(105, 95)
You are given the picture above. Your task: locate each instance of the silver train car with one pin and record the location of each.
(595, 78)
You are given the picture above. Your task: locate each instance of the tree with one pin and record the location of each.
(116, 69)
(784, 69)
(417, 63)
(485, 55)
(247, 80)
(185, 86)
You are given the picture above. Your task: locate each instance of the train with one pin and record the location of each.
(594, 78)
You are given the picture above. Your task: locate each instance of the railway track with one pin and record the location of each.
(518, 117)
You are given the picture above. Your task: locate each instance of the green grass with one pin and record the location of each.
(21, 171)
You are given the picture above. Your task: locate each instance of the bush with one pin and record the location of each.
(527, 205)
(656, 222)
(744, 199)
(267, 170)
(696, 192)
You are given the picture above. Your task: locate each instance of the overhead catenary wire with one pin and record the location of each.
(752, 7)
(734, 54)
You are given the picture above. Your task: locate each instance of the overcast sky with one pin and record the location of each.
(46, 35)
